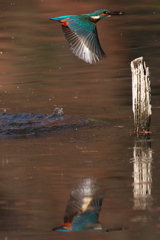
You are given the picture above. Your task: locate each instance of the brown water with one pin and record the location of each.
(39, 73)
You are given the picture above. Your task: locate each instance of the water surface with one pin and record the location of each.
(39, 73)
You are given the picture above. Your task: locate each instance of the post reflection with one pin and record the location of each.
(142, 172)
(83, 208)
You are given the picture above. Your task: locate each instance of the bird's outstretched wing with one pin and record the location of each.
(83, 39)
(84, 200)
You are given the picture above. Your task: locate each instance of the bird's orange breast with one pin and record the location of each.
(64, 22)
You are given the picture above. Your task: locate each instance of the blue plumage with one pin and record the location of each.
(81, 34)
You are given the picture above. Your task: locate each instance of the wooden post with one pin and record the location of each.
(141, 95)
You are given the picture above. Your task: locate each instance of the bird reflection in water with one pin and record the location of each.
(83, 208)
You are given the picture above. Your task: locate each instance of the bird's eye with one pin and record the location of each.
(104, 12)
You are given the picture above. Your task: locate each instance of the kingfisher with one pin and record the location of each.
(81, 34)
(83, 208)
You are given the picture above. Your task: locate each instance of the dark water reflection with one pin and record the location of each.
(39, 73)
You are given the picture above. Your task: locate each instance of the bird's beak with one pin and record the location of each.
(115, 13)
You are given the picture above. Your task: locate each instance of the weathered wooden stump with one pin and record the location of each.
(141, 95)
(142, 151)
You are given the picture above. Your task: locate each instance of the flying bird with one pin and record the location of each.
(81, 34)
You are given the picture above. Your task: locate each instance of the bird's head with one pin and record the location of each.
(99, 14)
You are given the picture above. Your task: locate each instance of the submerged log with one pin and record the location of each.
(36, 123)
(141, 95)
